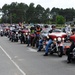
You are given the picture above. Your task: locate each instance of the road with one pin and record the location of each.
(18, 59)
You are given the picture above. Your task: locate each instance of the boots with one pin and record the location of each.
(46, 54)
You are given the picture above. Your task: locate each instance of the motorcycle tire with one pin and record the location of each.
(60, 52)
(12, 40)
(21, 41)
(51, 53)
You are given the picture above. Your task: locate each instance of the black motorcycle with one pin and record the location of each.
(14, 37)
(1, 33)
(70, 56)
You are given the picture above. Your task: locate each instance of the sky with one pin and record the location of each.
(44, 3)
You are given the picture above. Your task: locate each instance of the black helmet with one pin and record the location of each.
(73, 29)
(38, 26)
(53, 26)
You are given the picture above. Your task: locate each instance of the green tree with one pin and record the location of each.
(21, 12)
(30, 13)
(16, 12)
(39, 11)
(68, 13)
(60, 19)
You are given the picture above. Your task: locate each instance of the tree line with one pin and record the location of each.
(21, 12)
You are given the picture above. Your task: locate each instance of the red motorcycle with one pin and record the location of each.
(58, 41)
(70, 50)
(23, 37)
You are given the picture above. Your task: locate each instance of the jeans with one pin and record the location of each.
(48, 45)
(28, 42)
(40, 44)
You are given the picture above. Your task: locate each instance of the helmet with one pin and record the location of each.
(73, 29)
(53, 26)
(37, 26)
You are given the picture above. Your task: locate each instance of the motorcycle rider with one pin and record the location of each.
(68, 31)
(49, 42)
(73, 31)
(32, 29)
(69, 51)
(71, 47)
(47, 46)
(22, 38)
(32, 32)
(1, 32)
(28, 39)
(37, 36)
(67, 28)
(38, 30)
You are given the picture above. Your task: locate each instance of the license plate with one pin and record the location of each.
(60, 44)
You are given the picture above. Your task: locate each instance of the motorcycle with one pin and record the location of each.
(1, 33)
(23, 37)
(14, 37)
(71, 55)
(58, 41)
(57, 47)
(70, 50)
(42, 45)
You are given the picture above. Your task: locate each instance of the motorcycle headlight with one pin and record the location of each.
(68, 32)
(26, 33)
(63, 39)
(16, 32)
(54, 39)
(48, 37)
(59, 39)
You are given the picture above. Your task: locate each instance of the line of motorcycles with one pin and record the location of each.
(57, 46)
(13, 36)
(16, 35)
(2, 33)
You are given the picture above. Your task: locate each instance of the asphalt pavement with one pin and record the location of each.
(18, 59)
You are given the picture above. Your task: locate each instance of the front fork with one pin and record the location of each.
(59, 45)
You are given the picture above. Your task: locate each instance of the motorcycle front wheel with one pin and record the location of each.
(60, 51)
